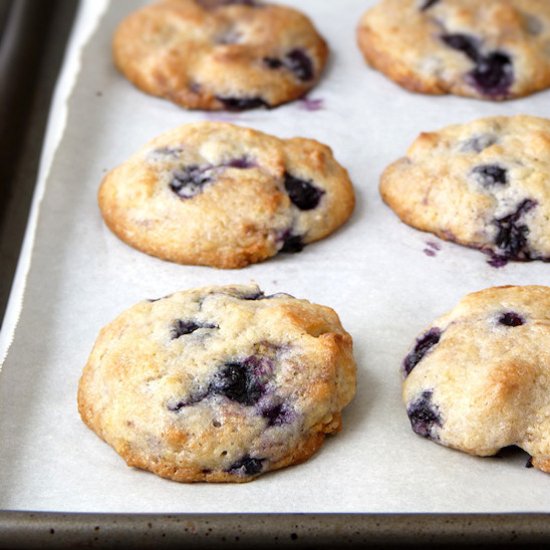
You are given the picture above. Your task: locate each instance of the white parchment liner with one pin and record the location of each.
(373, 272)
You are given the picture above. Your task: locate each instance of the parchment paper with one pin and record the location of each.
(373, 272)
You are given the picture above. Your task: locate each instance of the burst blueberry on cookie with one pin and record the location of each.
(482, 384)
(225, 196)
(220, 54)
(213, 385)
(484, 184)
(494, 50)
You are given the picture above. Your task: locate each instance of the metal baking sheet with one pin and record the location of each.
(374, 272)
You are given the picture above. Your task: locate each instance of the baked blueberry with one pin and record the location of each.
(182, 327)
(424, 415)
(490, 174)
(247, 466)
(300, 64)
(242, 103)
(238, 382)
(511, 319)
(423, 345)
(468, 45)
(428, 4)
(190, 181)
(511, 237)
(493, 75)
(303, 194)
(276, 414)
(292, 244)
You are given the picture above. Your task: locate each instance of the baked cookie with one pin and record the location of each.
(489, 49)
(221, 195)
(219, 383)
(485, 184)
(220, 54)
(477, 380)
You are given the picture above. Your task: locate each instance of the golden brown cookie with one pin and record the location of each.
(477, 380)
(219, 383)
(222, 195)
(489, 49)
(220, 54)
(484, 184)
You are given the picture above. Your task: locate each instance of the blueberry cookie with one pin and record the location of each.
(485, 184)
(225, 196)
(488, 49)
(477, 380)
(220, 54)
(218, 383)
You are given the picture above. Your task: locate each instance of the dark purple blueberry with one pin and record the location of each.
(243, 163)
(300, 64)
(511, 237)
(247, 465)
(180, 327)
(428, 4)
(479, 143)
(272, 62)
(302, 193)
(311, 105)
(511, 319)
(495, 260)
(424, 415)
(237, 382)
(423, 345)
(529, 463)
(490, 174)
(276, 415)
(292, 244)
(493, 75)
(468, 45)
(189, 182)
(242, 103)
(176, 406)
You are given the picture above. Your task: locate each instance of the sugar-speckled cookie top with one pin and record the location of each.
(489, 49)
(220, 54)
(479, 379)
(221, 195)
(218, 383)
(484, 184)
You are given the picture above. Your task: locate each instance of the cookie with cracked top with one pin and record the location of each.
(493, 50)
(218, 384)
(483, 184)
(477, 379)
(225, 196)
(220, 54)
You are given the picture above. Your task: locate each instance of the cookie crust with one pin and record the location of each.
(492, 50)
(220, 55)
(225, 196)
(219, 384)
(484, 184)
(477, 379)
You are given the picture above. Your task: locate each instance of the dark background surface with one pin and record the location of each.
(33, 37)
